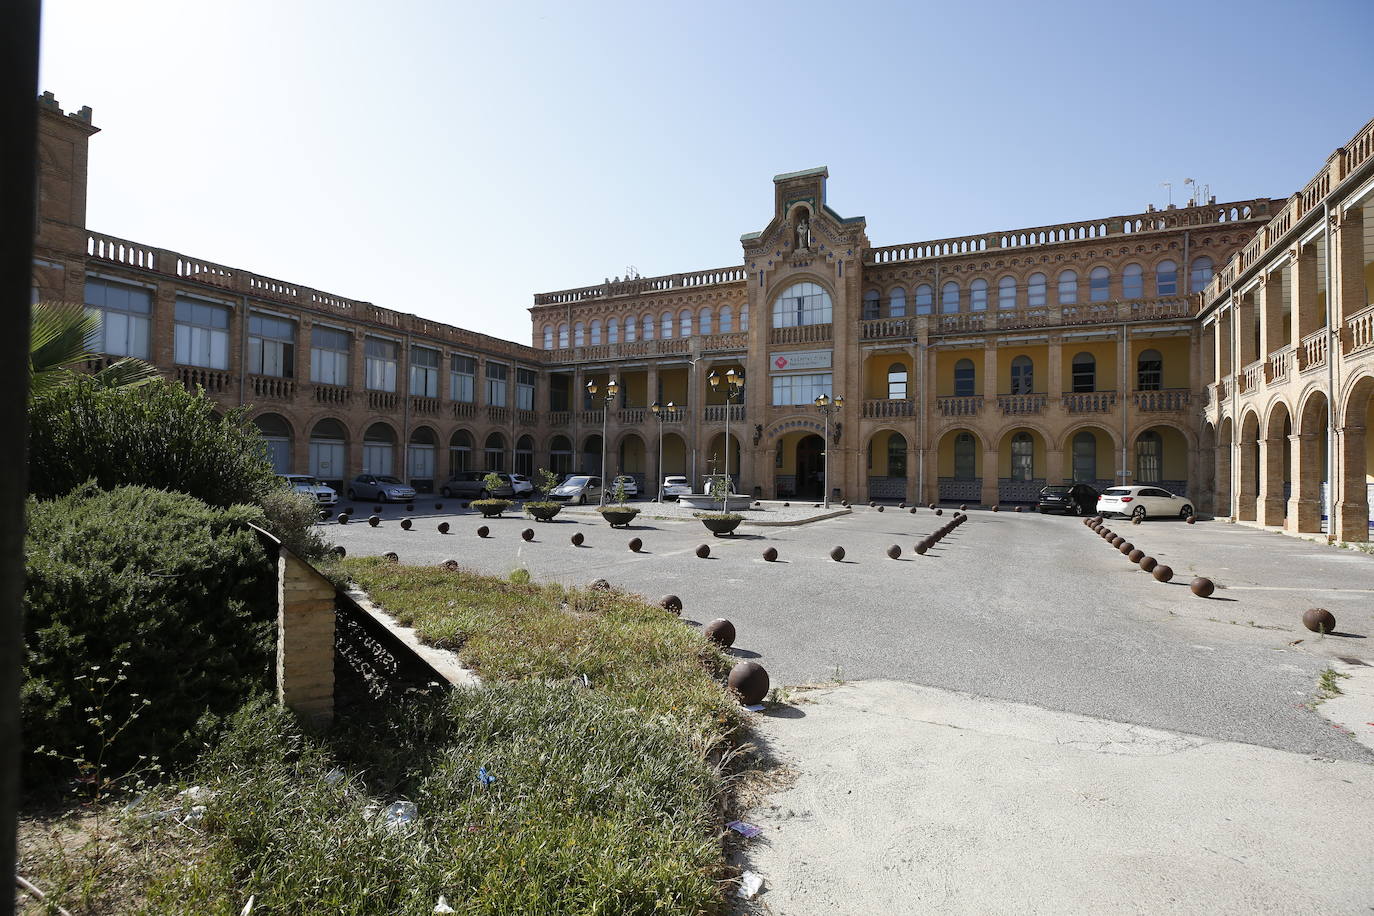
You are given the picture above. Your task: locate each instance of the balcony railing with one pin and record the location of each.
(1164, 399)
(1277, 366)
(805, 333)
(526, 417)
(887, 329)
(715, 413)
(272, 387)
(1083, 313)
(1359, 330)
(1249, 378)
(338, 395)
(383, 400)
(959, 406)
(1015, 405)
(462, 410)
(560, 417)
(424, 406)
(1223, 387)
(498, 414)
(1312, 350)
(630, 415)
(739, 340)
(215, 381)
(1089, 401)
(883, 408)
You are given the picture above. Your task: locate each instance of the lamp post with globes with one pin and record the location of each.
(734, 384)
(611, 389)
(827, 407)
(661, 414)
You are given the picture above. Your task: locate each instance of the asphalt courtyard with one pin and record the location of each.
(1016, 607)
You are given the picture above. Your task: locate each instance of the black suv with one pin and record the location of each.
(1069, 498)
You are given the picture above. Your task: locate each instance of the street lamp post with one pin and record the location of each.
(611, 389)
(827, 407)
(659, 415)
(734, 384)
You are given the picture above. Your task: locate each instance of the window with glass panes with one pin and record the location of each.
(801, 304)
(1166, 279)
(924, 297)
(462, 379)
(872, 305)
(496, 384)
(789, 390)
(965, 457)
(271, 346)
(963, 378)
(125, 315)
(1132, 282)
(1084, 457)
(424, 372)
(1006, 293)
(1150, 371)
(524, 388)
(1148, 449)
(896, 382)
(978, 295)
(1022, 375)
(1099, 284)
(1035, 291)
(329, 356)
(896, 455)
(379, 360)
(202, 334)
(1084, 373)
(1022, 457)
(1068, 287)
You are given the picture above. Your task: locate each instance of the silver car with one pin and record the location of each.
(304, 483)
(380, 487)
(579, 489)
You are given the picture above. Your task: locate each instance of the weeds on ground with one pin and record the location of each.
(1330, 684)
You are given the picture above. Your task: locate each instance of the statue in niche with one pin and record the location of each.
(803, 234)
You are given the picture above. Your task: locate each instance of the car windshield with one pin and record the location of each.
(576, 482)
(675, 480)
(1117, 491)
(1058, 491)
(387, 480)
(300, 481)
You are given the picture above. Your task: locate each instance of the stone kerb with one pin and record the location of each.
(305, 639)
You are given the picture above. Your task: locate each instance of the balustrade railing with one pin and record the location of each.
(630, 415)
(560, 417)
(883, 408)
(1089, 401)
(215, 381)
(959, 406)
(1164, 399)
(589, 416)
(1250, 377)
(383, 400)
(462, 410)
(887, 328)
(963, 322)
(425, 406)
(1276, 368)
(736, 341)
(805, 333)
(272, 387)
(498, 414)
(1359, 330)
(715, 413)
(1312, 350)
(338, 395)
(526, 417)
(1021, 404)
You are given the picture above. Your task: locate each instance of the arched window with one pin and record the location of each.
(524, 455)
(579, 335)
(420, 461)
(1100, 284)
(1084, 373)
(1084, 457)
(495, 452)
(727, 320)
(1149, 374)
(978, 295)
(596, 332)
(548, 337)
(925, 298)
(1132, 282)
(896, 382)
(949, 298)
(684, 323)
(744, 317)
(1166, 279)
(613, 330)
(896, 455)
(964, 378)
(801, 304)
(563, 335)
(704, 321)
(647, 326)
(1022, 375)
(665, 326)
(561, 454)
(328, 448)
(1035, 291)
(1201, 274)
(1006, 293)
(1149, 450)
(379, 449)
(1022, 457)
(872, 305)
(965, 457)
(1068, 287)
(631, 329)
(896, 303)
(459, 452)
(276, 435)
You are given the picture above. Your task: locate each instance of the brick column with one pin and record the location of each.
(1271, 502)
(1308, 314)
(305, 640)
(1348, 258)
(1245, 490)
(990, 496)
(1352, 511)
(1222, 507)
(1305, 504)
(1273, 331)
(1054, 465)
(1055, 378)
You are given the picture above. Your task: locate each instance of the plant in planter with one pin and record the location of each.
(491, 508)
(617, 514)
(719, 523)
(543, 510)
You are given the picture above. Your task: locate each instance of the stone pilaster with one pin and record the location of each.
(1352, 510)
(1304, 504)
(1270, 497)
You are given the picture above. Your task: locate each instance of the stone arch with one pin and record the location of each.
(1247, 467)
(632, 459)
(888, 463)
(422, 459)
(1352, 520)
(379, 448)
(279, 439)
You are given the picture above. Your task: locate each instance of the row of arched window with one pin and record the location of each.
(685, 324)
(1067, 290)
(1149, 374)
(1149, 450)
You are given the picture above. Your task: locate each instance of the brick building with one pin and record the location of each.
(972, 369)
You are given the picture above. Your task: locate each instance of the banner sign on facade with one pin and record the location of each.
(801, 359)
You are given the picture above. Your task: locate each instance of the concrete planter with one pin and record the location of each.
(618, 516)
(491, 508)
(543, 512)
(712, 503)
(719, 526)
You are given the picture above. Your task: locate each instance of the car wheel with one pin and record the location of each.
(444, 492)
(1139, 513)
(1187, 511)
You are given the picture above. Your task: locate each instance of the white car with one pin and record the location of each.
(1143, 502)
(631, 487)
(304, 483)
(673, 487)
(521, 484)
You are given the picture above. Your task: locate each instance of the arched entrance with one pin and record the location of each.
(717, 459)
(1276, 473)
(1021, 465)
(1221, 505)
(1309, 505)
(1161, 459)
(887, 465)
(422, 459)
(589, 460)
(560, 456)
(524, 456)
(1247, 469)
(960, 467)
(379, 450)
(328, 453)
(630, 460)
(495, 452)
(1356, 461)
(276, 436)
(459, 452)
(810, 464)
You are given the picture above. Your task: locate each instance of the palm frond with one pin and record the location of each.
(59, 335)
(127, 373)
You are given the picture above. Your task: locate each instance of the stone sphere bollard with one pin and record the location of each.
(880, 508)
(577, 539)
(912, 510)
(787, 505)
(374, 520)
(1018, 508)
(871, 504)
(1125, 547)
(922, 547)
(443, 527)
(720, 631)
(1135, 556)
(1136, 520)
(342, 519)
(837, 554)
(1148, 563)
(671, 603)
(931, 506)
(1117, 540)
(483, 531)
(1192, 519)
(527, 534)
(894, 552)
(939, 511)
(996, 508)
(410, 507)
(450, 565)
(339, 551)
(1163, 573)
(749, 681)
(406, 524)
(770, 554)
(599, 585)
(635, 544)
(1319, 620)
(963, 507)
(1203, 587)
(757, 503)
(393, 557)
(438, 507)
(901, 505)
(703, 550)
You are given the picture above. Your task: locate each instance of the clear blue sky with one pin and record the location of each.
(452, 159)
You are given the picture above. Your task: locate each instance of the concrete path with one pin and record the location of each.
(912, 799)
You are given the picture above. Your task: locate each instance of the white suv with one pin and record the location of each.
(1141, 502)
(304, 483)
(673, 487)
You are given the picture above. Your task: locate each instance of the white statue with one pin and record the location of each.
(803, 233)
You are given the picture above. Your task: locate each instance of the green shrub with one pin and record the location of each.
(180, 591)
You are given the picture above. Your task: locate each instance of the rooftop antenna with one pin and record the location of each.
(1170, 186)
(631, 272)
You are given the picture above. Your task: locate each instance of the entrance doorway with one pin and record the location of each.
(811, 467)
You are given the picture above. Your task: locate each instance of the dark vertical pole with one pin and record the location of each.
(18, 140)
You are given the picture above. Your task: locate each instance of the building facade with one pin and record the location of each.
(972, 369)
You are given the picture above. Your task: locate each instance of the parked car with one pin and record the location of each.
(1142, 502)
(631, 486)
(521, 484)
(1072, 499)
(473, 485)
(304, 483)
(380, 487)
(675, 486)
(577, 489)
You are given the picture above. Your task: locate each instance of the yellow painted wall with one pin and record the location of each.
(1174, 465)
(1104, 351)
(717, 395)
(1037, 453)
(674, 385)
(875, 374)
(877, 454)
(1039, 358)
(674, 455)
(1176, 361)
(636, 386)
(944, 371)
(946, 455)
(632, 456)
